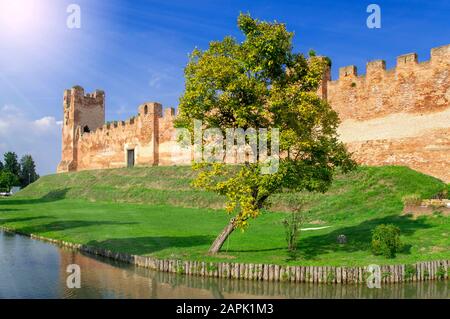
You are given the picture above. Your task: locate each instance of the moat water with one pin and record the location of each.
(35, 269)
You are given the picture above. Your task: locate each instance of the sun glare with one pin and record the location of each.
(19, 16)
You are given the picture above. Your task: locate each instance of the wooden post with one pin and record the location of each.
(298, 273)
(271, 272)
(282, 276)
(419, 271)
(236, 270)
(302, 274)
(293, 273)
(276, 272)
(261, 269)
(309, 274)
(241, 271)
(350, 275)
(430, 270)
(265, 272)
(445, 264)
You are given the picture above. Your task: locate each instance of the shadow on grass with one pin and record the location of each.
(5, 210)
(21, 219)
(358, 238)
(148, 245)
(52, 196)
(58, 225)
(224, 250)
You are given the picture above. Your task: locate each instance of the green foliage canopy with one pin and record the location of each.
(261, 83)
(386, 240)
(11, 163)
(8, 180)
(27, 170)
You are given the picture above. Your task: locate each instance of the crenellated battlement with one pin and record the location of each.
(439, 57)
(77, 96)
(150, 111)
(411, 86)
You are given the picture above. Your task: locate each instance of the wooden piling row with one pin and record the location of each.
(420, 271)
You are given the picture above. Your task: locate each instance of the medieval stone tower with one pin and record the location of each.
(82, 113)
(90, 143)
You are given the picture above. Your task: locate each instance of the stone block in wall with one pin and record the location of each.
(406, 60)
(441, 54)
(348, 71)
(169, 112)
(375, 67)
(150, 108)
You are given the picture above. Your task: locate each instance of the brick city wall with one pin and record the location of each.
(389, 117)
(399, 116)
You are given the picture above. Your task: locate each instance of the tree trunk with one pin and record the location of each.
(220, 240)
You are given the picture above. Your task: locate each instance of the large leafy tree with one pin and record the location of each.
(27, 170)
(1, 165)
(261, 83)
(11, 163)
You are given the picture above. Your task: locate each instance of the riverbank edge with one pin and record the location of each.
(420, 271)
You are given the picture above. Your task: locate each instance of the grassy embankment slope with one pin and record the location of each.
(154, 211)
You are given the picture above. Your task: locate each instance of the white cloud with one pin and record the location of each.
(39, 137)
(47, 123)
(155, 81)
(10, 109)
(161, 78)
(122, 110)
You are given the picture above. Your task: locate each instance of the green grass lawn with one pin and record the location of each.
(150, 211)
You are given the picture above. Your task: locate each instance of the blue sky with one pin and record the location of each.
(136, 51)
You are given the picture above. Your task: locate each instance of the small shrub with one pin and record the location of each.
(292, 225)
(410, 271)
(412, 200)
(180, 269)
(211, 267)
(437, 213)
(330, 277)
(386, 274)
(285, 276)
(440, 273)
(386, 240)
(443, 194)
